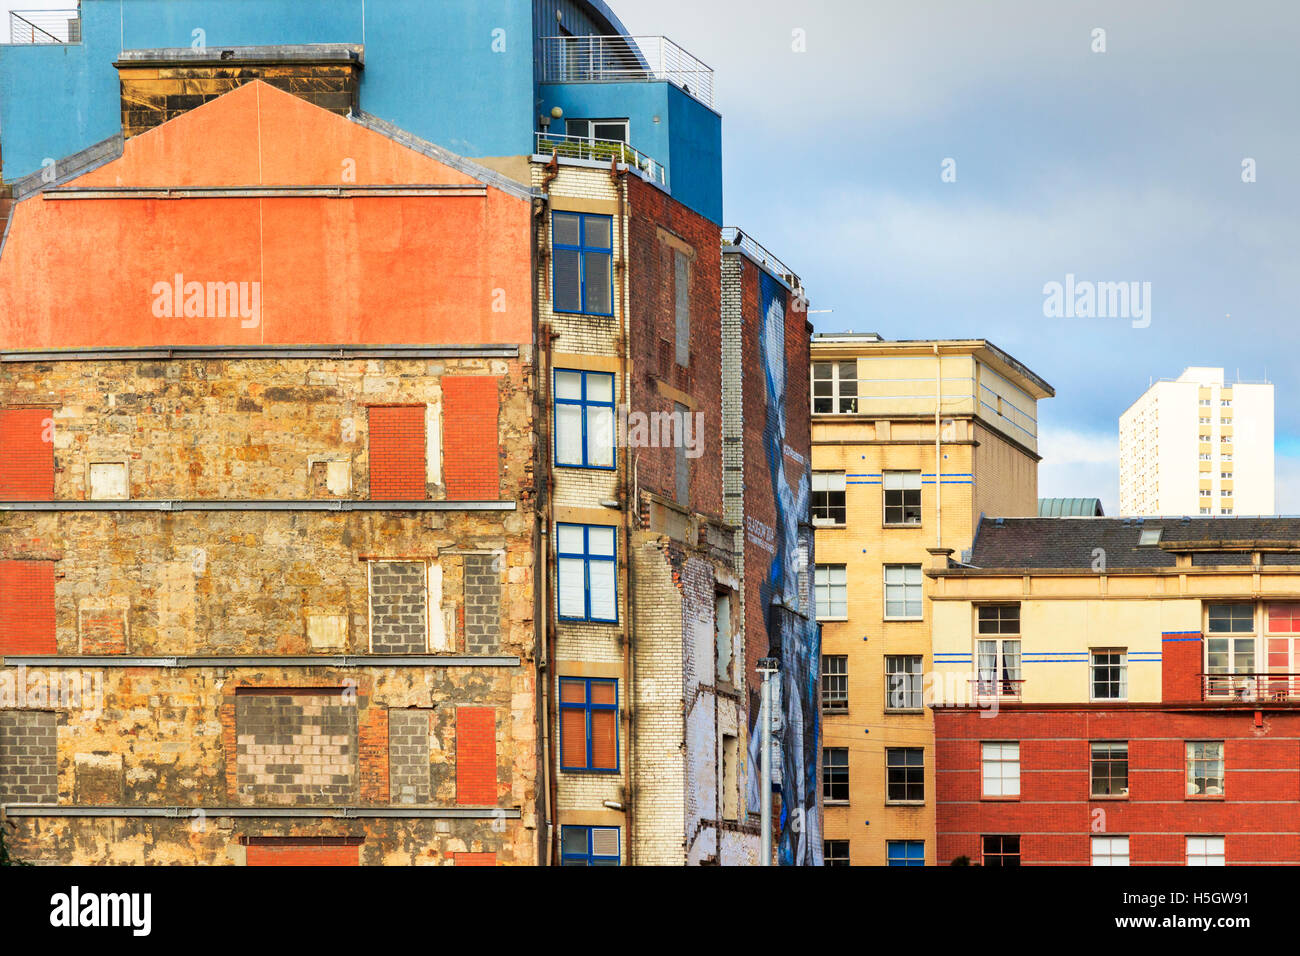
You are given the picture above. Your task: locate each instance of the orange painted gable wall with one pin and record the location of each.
(392, 270)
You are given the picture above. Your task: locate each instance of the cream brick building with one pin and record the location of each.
(912, 442)
(1200, 446)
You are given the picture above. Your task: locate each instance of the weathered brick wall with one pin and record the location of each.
(245, 429)
(296, 749)
(28, 756)
(658, 227)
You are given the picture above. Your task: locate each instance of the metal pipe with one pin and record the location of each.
(938, 457)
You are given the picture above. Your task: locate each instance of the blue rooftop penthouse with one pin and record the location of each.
(489, 80)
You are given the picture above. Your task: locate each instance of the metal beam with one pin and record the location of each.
(54, 661)
(344, 813)
(276, 352)
(261, 192)
(320, 504)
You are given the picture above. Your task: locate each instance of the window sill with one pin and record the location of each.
(587, 467)
(834, 803)
(589, 772)
(905, 524)
(1205, 797)
(1108, 700)
(904, 803)
(832, 620)
(905, 710)
(835, 712)
(1109, 796)
(993, 799)
(896, 620)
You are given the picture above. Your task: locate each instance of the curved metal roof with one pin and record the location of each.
(1070, 508)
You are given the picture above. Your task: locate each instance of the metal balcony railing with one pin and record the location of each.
(620, 59)
(732, 236)
(1002, 688)
(1255, 688)
(45, 26)
(601, 150)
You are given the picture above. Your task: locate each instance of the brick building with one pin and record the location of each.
(1119, 691)
(378, 514)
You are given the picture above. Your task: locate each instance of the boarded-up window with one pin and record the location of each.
(730, 787)
(397, 455)
(682, 285)
(27, 462)
(683, 464)
(476, 756)
(27, 607)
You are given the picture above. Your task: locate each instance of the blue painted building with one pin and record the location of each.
(483, 78)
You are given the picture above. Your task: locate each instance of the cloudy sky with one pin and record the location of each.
(1117, 166)
(1122, 165)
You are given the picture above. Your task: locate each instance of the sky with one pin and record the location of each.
(1113, 157)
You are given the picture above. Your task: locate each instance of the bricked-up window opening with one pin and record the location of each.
(1206, 851)
(1109, 768)
(1001, 850)
(588, 724)
(483, 603)
(408, 756)
(398, 462)
(399, 612)
(588, 571)
(589, 846)
(831, 584)
(27, 462)
(903, 592)
(903, 682)
(1229, 649)
(1110, 851)
(905, 853)
(1000, 768)
(730, 778)
(29, 756)
(904, 775)
(582, 256)
(323, 852)
(296, 749)
(584, 419)
(471, 443)
(681, 464)
(835, 774)
(476, 756)
(722, 636)
(474, 859)
(835, 683)
(682, 305)
(828, 499)
(835, 387)
(1205, 768)
(27, 608)
(902, 497)
(835, 853)
(108, 481)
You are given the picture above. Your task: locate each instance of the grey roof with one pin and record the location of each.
(1070, 508)
(1078, 543)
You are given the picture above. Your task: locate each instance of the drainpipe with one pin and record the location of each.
(545, 339)
(938, 456)
(629, 503)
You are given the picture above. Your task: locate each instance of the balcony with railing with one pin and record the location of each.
(734, 237)
(44, 26)
(1251, 688)
(565, 146)
(620, 59)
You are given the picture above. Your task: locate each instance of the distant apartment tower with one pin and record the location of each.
(1198, 446)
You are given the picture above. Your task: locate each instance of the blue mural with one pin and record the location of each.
(794, 638)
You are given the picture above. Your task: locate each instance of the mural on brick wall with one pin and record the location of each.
(793, 636)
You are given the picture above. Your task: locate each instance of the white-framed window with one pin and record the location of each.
(1110, 851)
(904, 682)
(1225, 511)
(835, 387)
(997, 650)
(1205, 851)
(831, 584)
(903, 592)
(1109, 674)
(1108, 768)
(1205, 768)
(835, 683)
(1207, 493)
(828, 499)
(1229, 649)
(1000, 768)
(902, 490)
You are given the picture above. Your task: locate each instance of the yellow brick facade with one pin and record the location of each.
(981, 470)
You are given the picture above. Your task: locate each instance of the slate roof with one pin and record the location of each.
(1071, 543)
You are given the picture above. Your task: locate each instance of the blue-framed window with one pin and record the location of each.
(588, 573)
(588, 724)
(584, 419)
(906, 852)
(582, 253)
(589, 846)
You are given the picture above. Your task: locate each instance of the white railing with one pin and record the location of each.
(619, 59)
(44, 26)
(601, 150)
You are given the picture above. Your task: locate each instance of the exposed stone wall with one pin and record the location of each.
(253, 429)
